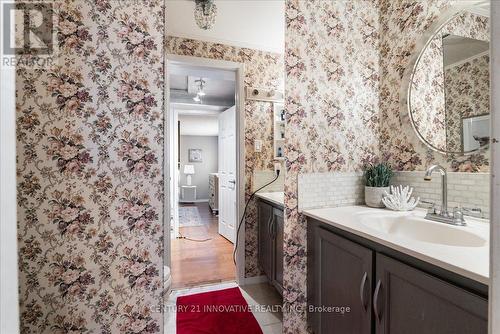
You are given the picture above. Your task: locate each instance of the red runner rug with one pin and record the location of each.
(215, 312)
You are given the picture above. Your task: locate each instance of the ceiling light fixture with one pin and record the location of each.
(201, 84)
(205, 12)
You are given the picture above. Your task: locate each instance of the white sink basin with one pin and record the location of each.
(420, 229)
(463, 250)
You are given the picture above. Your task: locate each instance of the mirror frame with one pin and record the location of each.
(405, 94)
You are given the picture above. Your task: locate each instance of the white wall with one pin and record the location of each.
(9, 309)
(494, 294)
(261, 23)
(209, 145)
(199, 125)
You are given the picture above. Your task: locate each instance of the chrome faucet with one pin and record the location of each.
(443, 216)
(444, 184)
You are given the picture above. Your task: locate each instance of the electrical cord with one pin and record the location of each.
(245, 211)
(191, 239)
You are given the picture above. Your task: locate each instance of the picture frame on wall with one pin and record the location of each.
(195, 155)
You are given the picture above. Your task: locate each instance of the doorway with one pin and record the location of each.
(203, 158)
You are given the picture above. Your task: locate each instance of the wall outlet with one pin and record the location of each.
(257, 145)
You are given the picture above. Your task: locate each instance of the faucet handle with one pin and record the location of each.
(458, 215)
(474, 212)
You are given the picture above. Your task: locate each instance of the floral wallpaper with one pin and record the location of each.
(402, 24)
(262, 69)
(467, 94)
(90, 179)
(332, 97)
(469, 25)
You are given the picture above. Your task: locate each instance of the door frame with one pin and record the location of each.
(173, 127)
(239, 69)
(494, 293)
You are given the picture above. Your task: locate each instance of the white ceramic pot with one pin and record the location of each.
(374, 195)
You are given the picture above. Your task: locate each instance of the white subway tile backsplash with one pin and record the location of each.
(316, 190)
(464, 189)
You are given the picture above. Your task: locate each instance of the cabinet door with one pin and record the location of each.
(264, 240)
(407, 300)
(342, 279)
(278, 227)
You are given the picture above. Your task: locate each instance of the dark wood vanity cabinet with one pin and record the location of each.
(270, 243)
(342, 298)
(278, 250)
(265, 213)
(384, 295)
(407, 300)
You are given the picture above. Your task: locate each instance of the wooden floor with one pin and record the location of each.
(196, 263)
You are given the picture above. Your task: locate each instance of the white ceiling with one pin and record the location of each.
(199, 125)
(256, 24)
(219, 87)
(209, 72)
(481, 7)
(458, 48)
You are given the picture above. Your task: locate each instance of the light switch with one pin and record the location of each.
(258, 145)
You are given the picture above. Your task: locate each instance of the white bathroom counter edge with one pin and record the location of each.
(273, 197)
(395, 244)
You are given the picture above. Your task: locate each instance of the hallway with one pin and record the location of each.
(195, 263)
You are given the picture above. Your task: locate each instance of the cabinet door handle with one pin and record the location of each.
(362, 290)
(269, 224)
(273, 227)
(375, 301)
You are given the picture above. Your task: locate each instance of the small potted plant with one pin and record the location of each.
(377, 180)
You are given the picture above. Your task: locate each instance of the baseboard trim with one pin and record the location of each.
(255, 280)
(195, 201)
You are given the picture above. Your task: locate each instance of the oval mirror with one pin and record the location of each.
(448, 89)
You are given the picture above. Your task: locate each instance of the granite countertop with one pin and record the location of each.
(277, 198)
(470, 261)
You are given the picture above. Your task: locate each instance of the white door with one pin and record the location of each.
(174, 173)
(227, 174)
